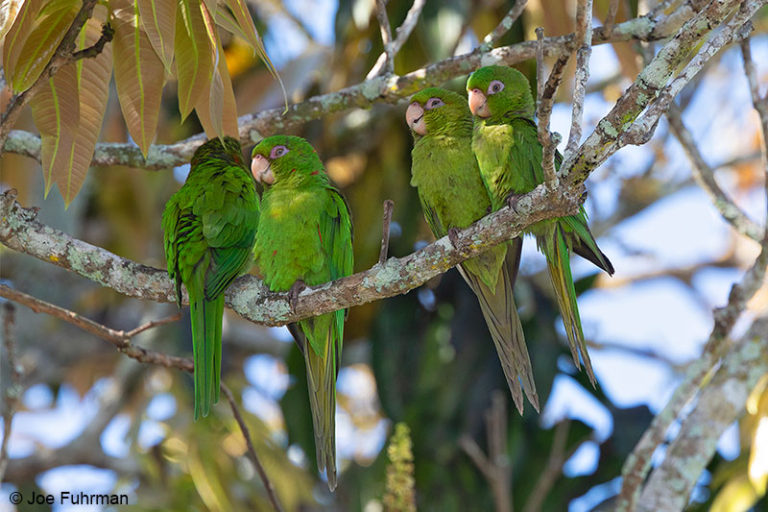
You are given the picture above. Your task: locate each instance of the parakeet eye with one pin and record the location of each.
(277, 152)
(495, 86)
(434, 103)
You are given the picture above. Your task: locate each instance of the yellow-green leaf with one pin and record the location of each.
(41, 42)
(139, 73)
(8, 11)
(17, 34)
(195, 54)
(56, 111)
(216, 108)
(158, 18)
(93, 76)
(243, 26)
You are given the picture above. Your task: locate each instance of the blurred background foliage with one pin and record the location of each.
(425, 358)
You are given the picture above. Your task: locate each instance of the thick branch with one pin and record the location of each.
(720, 404)
(248, 296)
(650, 27)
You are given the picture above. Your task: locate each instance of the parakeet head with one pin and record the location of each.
(281, 156)
(437, 111)
(227, 149)
(498, 90)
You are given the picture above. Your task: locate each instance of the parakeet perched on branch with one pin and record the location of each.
(210, 225)
(305, 238)
(509, 154)
(453, 196)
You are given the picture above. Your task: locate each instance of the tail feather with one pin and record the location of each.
(321, 380)
(500, 313)
(206, 345)
(559, 265)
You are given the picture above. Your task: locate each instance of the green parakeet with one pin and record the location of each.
(452, 193)
(305, 238)
(210, 224)
(509, 154)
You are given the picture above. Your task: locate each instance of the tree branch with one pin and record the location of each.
(638, 463)
(720, 403)
(248, 296)
(504, 26)
(584, 39)
(705, 177)
(251, 450)
(621, 125)
(13, 386)
(653, 26)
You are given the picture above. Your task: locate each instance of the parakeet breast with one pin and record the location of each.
(288, 242)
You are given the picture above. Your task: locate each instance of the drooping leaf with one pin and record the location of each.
(158, 18)
(47, 31)
(8, 11)
(17, 34)
(194, 54)
(216, 108)
(56, 111)
(139, 73)
(93, 76)
(236, 19)
(70, 110)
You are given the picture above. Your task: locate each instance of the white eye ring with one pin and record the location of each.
(495, 86)
(434, 103)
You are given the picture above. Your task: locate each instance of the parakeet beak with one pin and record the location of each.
(262, 170)
(414, 116)
(478, 103)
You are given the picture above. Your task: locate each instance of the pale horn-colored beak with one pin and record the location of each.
(414, 116)
(478, 103)
(262, 170)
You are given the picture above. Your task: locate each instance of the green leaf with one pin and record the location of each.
(216, 108)
(195, 54)
(56, 111)
(237, 20)
(40, 43)
(69, 113)
(139, 73)
(158, 17)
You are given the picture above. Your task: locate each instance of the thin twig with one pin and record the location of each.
(386, 61)
(495, 466)
(705, 177)
(584, 39)
(120, 339)
(759, 102)
(63, 55)
(544, 109)
(558, 455)
(251, 450)
(493, 37)
(385, 224)
(610, 18)
(11, 394)
(387, 58)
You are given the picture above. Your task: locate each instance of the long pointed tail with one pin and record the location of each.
(559, 265)
(500, 313)
(321, 380)
(206, 344)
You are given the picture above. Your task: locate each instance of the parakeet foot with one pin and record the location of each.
(293, 294)
(512, 200)
(453, 236)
